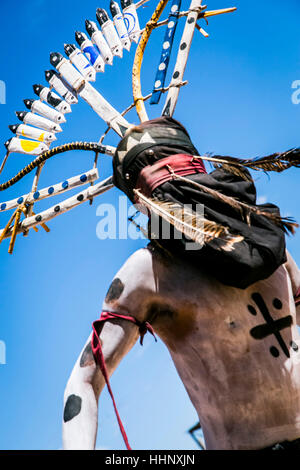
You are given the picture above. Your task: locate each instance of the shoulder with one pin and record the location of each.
(133, 283)
(140, 262)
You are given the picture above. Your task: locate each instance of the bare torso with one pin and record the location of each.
(236, 351)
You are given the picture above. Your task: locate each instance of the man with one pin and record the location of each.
(240, 369)
(227, 312)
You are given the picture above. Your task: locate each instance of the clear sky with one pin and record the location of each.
(238, 102)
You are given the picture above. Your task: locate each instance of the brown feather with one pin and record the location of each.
(277, 162)
(287, 224)
(188, 222)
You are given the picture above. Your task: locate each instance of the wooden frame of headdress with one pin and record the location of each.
(70, 83)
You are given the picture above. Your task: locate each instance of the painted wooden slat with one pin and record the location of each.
(26, 147)
(64, 206)
(22, 130)
(161, 73)
(53, 190)
(105, 110)
(182, 58)
(97, 102)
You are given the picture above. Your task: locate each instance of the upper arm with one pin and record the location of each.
(126, 295)
(131, 286)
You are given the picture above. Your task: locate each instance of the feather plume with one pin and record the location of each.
(191, 224)
(277, 162)
(287, 224)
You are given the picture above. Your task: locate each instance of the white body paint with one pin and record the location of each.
(245, 397)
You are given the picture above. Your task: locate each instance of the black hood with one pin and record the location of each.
(145, 144)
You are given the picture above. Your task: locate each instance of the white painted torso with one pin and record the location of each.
(246, 398)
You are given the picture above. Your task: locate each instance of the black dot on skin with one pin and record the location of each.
(277, 304)
(80, 197)
(72, 408)
(191, 20)
(87, 358)
(176, 75)
(274, 351)
(294, 346)
(252, 310)
(57, 209)
(115, 290)
(183, 46)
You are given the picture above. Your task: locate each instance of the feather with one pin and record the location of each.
(191, 224)
(151, 236)
(287, 224)
(277, 162)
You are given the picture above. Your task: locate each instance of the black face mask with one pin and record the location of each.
(144, 145)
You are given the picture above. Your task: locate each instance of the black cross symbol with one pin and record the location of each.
(271, 327)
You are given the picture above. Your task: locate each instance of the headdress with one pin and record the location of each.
(70, 79)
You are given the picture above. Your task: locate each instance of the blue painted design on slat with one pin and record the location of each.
(92, 53)
(87, 65)
(161, 73)
(130, 21)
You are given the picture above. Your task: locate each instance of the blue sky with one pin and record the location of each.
(238, 103)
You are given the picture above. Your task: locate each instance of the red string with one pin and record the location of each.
(100, 360)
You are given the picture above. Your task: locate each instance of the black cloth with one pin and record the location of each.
(285, 445)
(255, 258)
(156, 139)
